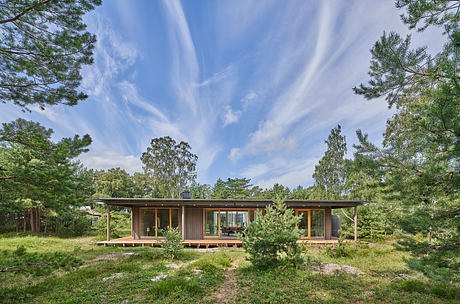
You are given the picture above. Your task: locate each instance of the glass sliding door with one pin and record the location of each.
(303, 224)
(211, 223)
(317, 224)
(311, 224)
(226, 223)
(154, 222)
(174, 218)
(147, 223)
(233, 222)
(162, 221)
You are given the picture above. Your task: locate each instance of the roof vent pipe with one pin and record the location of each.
(186, 194)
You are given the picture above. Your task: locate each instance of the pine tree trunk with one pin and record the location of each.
(32, 220)
(24, 220)
(56, 225)
(38, 220)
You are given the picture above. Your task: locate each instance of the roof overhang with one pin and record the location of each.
(226, 203)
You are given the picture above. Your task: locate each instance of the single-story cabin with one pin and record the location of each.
(216, 222)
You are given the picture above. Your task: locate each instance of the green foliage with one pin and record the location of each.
(200, 191)
(170, 166)
(36, 172)
(330, 172)
(38, 264)
(376, 221)
(421, 147)
(74, 223)
(235, 188)
(338, 251)
(115, 182)
(172, 243)
(43, 47)
(271, 240)
(175, 285)
(120, 223)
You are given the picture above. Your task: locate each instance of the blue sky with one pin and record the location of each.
(254, 86)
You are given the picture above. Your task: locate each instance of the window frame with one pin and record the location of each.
(218, 216)
(156, 224)
(309, 221)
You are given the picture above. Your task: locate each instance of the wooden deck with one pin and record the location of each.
(130, 242)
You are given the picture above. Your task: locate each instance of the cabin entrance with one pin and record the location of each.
(226, 223)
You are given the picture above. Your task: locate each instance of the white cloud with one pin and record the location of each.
(216, 77)
(248, 99)
(185, 64)
(288, 172)
(110, 159)
(235, 154)
(230, 116)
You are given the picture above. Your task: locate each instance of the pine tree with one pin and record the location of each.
(420, 153)
(43, 46)
(330, 171)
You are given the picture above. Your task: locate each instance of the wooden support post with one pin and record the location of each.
(183, 222)
(356, 223)
(108, 223)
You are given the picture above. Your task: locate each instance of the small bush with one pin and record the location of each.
(271, 239)
(338, 251)
(172, 244)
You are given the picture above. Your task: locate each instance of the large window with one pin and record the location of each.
(311, 224)
(233, 222)
(317, 223)
(147, 222)
(211, 222)
(225, 223)
(303, 223)
(154, 222)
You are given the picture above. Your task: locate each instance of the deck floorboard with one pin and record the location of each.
(130, 242)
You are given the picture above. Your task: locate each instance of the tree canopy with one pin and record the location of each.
(420, 154)
(329, 173)
(49, 180)
(43, 46)
(170, 165)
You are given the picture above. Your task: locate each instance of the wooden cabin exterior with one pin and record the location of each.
(216, 221)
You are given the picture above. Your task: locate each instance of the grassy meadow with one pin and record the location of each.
(53, 270)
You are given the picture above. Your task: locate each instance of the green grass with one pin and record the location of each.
(79, 270)
(386, 279)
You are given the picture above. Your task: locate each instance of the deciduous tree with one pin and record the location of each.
(170, 165)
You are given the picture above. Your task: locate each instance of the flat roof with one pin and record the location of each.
(146, 202)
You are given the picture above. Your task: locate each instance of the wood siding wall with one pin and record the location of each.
(328, 224)
(194, 223)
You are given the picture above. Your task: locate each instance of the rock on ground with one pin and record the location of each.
(331, 268)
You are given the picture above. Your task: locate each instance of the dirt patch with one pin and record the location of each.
(330, 268)
(228, 291)
(84, 240)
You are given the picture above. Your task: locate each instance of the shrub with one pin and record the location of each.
(338, 251)
(172, 244)
(271, 239)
